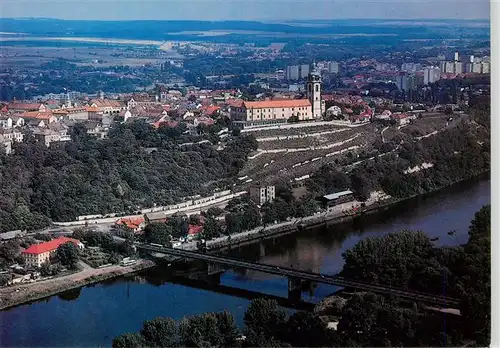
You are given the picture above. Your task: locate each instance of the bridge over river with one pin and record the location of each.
(296, 277)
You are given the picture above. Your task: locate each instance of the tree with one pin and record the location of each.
(305, 329)
(160, 332)
(264, 318)
(159, 233)
(129, 340)
(67, 254)
(211, 229)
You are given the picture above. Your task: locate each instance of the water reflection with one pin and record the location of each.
(70, 295)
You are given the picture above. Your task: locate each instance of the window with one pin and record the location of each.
(317, 88)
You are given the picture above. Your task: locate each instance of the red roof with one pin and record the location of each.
(195, 229)
(41, 248)
(131, 223)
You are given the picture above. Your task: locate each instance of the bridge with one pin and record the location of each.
(296, 277)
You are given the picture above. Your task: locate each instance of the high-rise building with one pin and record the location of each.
(450, 68)
(431, 74)
(313, 92)
(333, 67)
(442, 66)
(458, 68)
(402, 82)
(477, 68)
(411, 67)
(456, 57)
(292, 72)
(471, 59)
(485, 67)
(304, 70)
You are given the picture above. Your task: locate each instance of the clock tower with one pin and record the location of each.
(313, 93)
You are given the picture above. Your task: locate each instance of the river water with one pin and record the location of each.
(93, 315)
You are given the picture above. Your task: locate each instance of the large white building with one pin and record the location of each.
(280, 110)
(431, 74)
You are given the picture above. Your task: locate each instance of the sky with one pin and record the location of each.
(265, 10)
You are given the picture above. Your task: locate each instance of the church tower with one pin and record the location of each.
(313, 92)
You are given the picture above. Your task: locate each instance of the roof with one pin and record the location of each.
(92, 109)
(279, 103)
(131, 223)
(337, 195)
(24, 106)
(41, 248)
(38, 115)
(195, 229)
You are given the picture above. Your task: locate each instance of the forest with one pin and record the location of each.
(90, 176)
(407, 259)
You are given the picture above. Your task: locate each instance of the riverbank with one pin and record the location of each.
(24, 293)
(9, 297)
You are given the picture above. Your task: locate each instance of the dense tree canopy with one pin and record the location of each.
(90, 176)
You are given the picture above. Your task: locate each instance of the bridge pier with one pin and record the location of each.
(262, 249)
(214, 268)
(294, 289)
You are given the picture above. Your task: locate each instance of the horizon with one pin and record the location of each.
(255, 10)
(254, 20)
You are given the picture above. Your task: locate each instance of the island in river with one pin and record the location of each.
(94, 315)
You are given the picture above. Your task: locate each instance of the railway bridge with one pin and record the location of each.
(296, 277)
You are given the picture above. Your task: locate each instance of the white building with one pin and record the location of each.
(262, 194)
(431, 74)
(333, 67)
(313, 92)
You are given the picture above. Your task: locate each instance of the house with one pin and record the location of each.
(261, 194)
(5, 145)
(17, 107)
(108, 106)
(38, 254)
(401, 118)
(135, 225)
(155, 217)
(93, 113)
(385, 115)
(333, 111)
(72, 114)
(95, 129)
(5, 121)
(46, 116)
(48, 136)
(12, 135)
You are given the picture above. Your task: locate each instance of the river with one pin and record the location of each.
(93, 315)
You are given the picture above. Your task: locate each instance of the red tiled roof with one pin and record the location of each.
(25, 106)
(131, 223)
(41, 248)
(195, 229)
(280, 103)
(38, 115)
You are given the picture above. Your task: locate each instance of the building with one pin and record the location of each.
(17, 107)
(477, 68)
(127, 225)
(449, 67)
(431, 75)
(38, 254)
(313, 93)
(411, 67)
(458, 68)
(262, 194)
(271, 111)
(292, 72)
(304, 70)
(402, 82)
(333, 67)
(485, 67)
(456, 57)
(48, 136)
(335, 199)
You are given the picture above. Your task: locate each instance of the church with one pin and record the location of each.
(277, 111)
